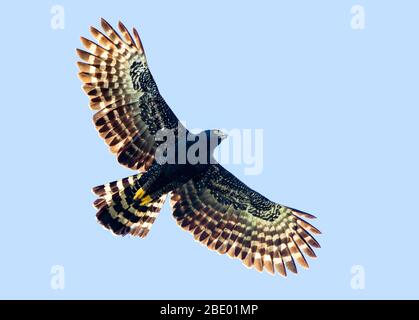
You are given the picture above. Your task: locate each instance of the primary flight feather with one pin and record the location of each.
(207, 200)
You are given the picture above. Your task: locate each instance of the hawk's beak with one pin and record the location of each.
(223, 136)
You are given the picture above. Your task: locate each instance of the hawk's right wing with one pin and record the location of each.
(120, 86)
(226, 215)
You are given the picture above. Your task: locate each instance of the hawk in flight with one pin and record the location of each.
(212, 204)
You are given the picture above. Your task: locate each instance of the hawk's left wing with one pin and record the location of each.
(130, 109)
(227, 216)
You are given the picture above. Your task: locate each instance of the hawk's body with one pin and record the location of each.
(207, 200)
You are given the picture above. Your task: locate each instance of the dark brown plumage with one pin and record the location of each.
(218, 209)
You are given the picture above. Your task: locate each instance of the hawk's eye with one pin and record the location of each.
(221, 135)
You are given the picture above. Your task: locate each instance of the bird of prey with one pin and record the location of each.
(218, 209)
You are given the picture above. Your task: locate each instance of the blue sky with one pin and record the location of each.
(339, 112)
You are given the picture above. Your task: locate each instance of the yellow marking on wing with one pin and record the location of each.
(146, 200)
(139, 194)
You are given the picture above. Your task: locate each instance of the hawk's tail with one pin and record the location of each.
(120, 213)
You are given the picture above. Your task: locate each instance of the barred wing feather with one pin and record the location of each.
(120, 87)
(227, 216)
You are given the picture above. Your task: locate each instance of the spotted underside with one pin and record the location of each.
(227, 216)
(218, 209)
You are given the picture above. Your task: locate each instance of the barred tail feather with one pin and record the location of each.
(120, 213)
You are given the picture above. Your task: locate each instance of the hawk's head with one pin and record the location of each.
(216, 136)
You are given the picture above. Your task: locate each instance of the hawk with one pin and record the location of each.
(219, 210)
